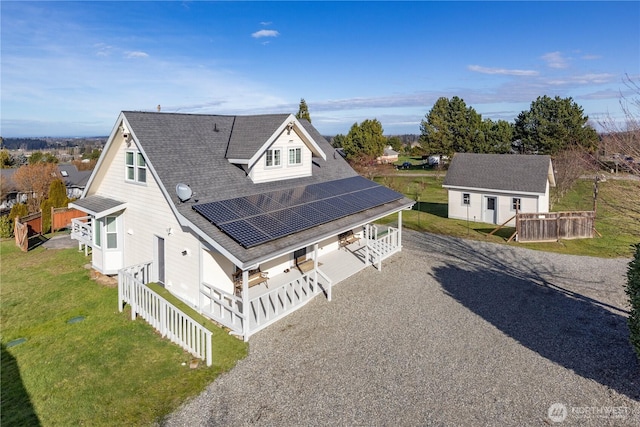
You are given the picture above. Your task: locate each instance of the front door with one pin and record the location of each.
(490, 210)
(111, 240)
(160, 258)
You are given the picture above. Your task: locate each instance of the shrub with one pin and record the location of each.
(46, 206)
(633, 290)
(19, 209)
(6, 226)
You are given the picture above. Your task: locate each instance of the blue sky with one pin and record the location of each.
(69, 68)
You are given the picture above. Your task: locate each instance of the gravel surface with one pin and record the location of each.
(450, 332)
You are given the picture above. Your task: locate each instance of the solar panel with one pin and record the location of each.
(260, 218)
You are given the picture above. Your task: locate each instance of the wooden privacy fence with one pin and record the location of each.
(61, 217)
(549, 227)
(31, 225)
(25, 227)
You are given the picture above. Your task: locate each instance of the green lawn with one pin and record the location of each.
(103, 370)
(619, 229)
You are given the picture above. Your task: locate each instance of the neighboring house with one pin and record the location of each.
(388, 156)
(244, 218)
(74, 179)
(491, 187)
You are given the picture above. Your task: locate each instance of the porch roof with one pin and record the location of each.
(98, 206)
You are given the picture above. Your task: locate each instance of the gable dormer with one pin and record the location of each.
(272, 147)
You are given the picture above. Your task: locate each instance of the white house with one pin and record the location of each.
(389, 155)
(491, 187)
(244, 218)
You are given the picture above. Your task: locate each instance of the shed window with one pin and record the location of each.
(466, 199)
(516, 204)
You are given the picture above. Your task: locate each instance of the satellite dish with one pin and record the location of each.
(183, 191)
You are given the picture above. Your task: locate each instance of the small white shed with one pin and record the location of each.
(491, 187)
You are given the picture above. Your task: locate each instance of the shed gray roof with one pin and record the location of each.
(502, 172)
(193, 149)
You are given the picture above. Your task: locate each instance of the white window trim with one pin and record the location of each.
(289, 150)
(107, 232)
(266, 158)
(513, 199)
(136, 167)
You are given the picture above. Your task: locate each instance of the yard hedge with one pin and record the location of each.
(633, 290)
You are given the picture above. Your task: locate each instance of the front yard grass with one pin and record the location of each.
(619, 228)
(103, 370)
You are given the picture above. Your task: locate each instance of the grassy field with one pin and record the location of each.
(103, 370)
(619, 228)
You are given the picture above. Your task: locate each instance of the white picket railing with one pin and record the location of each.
(166, 318)
(383, 246)
(81, 230)
(222, 307)
(278, 302)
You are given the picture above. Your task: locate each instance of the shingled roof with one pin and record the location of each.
(501, 172)
(194, 149)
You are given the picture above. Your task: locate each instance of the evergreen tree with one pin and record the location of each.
(552, 125)
(303, 111)
(365, 139)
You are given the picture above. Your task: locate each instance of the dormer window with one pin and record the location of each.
(136, 167)
(295, 156)
(273, 158)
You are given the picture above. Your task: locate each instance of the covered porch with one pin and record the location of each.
(281, 294)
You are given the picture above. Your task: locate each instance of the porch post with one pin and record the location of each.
(400, 229)
(245, 305)
(366, 244)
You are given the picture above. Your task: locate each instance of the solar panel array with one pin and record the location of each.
(260, 218)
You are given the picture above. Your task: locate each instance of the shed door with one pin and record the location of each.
(490, 210)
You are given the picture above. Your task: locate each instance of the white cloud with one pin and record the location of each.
(555, 60)
(265, 33)
(266, 23)
(502, 71)
(591, 57)
(136, 54)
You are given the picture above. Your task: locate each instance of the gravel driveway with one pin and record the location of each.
(450, 332)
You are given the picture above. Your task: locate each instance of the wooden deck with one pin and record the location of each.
(337, 265)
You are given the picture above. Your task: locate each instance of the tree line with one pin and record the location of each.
(550, 126)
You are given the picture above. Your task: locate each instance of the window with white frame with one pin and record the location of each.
(516, 204)
(273, 158)
(136, 167)
(111, 231)
(295, 156)
(466, 199)
(97, 232)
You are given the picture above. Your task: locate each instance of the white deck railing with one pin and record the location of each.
(383, 246)
(166, 318)
(278, 302)
(81, 230)
(222, 307)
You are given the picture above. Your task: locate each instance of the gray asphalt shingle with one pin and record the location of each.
(506, 172)
(193, 149)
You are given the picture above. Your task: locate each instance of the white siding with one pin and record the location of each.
(217, 270)
(148, 215)
(261, 173)
(457, 210)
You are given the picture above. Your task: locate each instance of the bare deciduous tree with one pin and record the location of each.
(34, 180)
